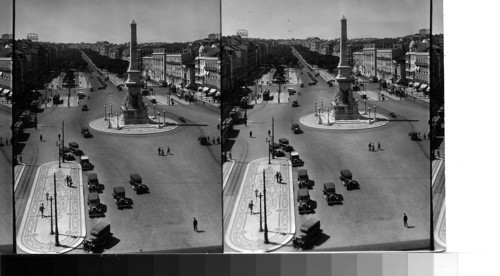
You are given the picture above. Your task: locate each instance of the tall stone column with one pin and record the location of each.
(134, 110)
(343, 105)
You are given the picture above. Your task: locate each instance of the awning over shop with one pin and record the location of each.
(213, 90)
(423, 87)
(429, 89)
(6, 91)
(416, 84)
(205, 89)
(217, 94)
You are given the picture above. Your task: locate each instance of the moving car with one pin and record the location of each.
(414, 136)
(120, 199)
(296, 128)
(100, 235)
(305, 204)
(85, 107)
(301, 85)
(86, 133)
(203, 140)
(330, 194)
(93, 183)
(346, 178)
(153, 100)
(291, 91)
(95, 208)
(295, 104)
(85, 163)
(91, 88)
(310, 232)
(81, 95)
(392, 114)
(136, 183)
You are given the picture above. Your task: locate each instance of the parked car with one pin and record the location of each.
(75, 148)
(346, 178)
(93, 183)
(81, 95)
(91, 88)
(330, 194)
(291, 91)
(85, 107)
(66, 155)
(285, 144)
(414, 136)
(392, 114)
(203, 140)
(100, 235)
(94, 205)
(295, 159)
(275, 147)
(310, 232)
(295, 104)
(85, 163)
(136, 183)
(120, 199)
(303, 179)
(153, 100)
(305, 204)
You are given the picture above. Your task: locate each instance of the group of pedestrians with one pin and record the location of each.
(161, 152)
(371, 146)
(69, 181)
(4, 140)
(278, 177)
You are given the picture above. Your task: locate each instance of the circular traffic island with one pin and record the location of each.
(155, 125)
(327, 122)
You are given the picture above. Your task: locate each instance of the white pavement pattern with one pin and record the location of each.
(110, 127)
(227, 168)
(243, 231)
(34, 233)
(314, 121)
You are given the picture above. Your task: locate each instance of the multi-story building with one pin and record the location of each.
(147, 70)
(369, 68)
(358, 62)
(5, 71)
(159, 64)
(417, 65)
(207, 69)
(387, 64)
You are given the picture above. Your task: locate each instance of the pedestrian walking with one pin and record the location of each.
(256, 193)
(218, 140)
(370, 146)
(162, 152)
(41, 137)
(425, 137)
(405, 220)
(250, 134)
(269, 133)
(437, 152)
(195, 225)
(47, 196)
(59, 136)
(213, 140)
(250, 206)
(168, 150)
(218, 126)
(230, 155)
(280, 177)
(378, 146)
(159, 151)
(276, 176)
(42, 208)
(20, 157)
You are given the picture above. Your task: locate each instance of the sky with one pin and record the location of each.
(321, 18)
(6, 17)
(96, 20)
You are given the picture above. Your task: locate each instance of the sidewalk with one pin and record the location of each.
(18, 173)
(243, 233)
(34, 233)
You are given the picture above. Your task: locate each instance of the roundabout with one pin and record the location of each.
(321, 121)
(156, 125)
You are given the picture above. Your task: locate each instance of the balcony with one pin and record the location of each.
(213, 69)
(421, 64)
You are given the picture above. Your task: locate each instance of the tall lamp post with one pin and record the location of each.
(260, 213)
(51, 222)
(375, 113)
(368, 113)
(111, 110)
(266, 240)
(55, 211)
(315, 108)
(154, 111)
(63, 141)
(117, 123)
(109, 119)
(163, 116)
(365, 106)
(321, 106)
(272, 138)
(105, 118)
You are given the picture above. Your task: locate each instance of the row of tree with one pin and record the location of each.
(115, 66)
(328, 62)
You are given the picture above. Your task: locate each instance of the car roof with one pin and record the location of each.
(93, 196)
(92, 176)
(73, 144)
(119, 189)
(329, 185)
(346, 173)
(303, 192)
(283, 140)
(302, 172)
(136, 177)
(294, 153)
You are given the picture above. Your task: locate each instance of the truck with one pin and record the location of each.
(100, 235)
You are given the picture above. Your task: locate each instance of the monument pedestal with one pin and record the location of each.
(345, 112)
(134, 116)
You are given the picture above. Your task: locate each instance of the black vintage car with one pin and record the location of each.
(85, 107)
(136, 183)
(305, 204)
(275, 147)
(310, 233)
(330, 194)
(75, 148)
(285, 144)
(303, 179)
(93, 183)
(86, 132)
(295, 104)
(414, 136)
(346, 178)
(120, 199)
(296, 128)
(203, 140)
(95, 208)
(295, 159)
(85, 163)
(66, 154)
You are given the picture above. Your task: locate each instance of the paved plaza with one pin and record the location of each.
(243, 232)
(34, 235)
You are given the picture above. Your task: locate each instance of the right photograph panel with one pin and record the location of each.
(326, 126)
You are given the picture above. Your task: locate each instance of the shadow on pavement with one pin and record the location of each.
(113, 241)
(233, 134)
(228, 145)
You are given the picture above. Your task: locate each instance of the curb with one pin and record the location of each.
(227, 172)
(18, 174)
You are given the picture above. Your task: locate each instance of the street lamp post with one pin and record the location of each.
(111, 110)
(260, 212)
(163, 116)
(368, 113)
(365, 106)
(117, 123)
(266, 240)
(63, 141)
(109, 119)
(328, 110)
(59, 153)
(375, 113)
(315, 109)
(321, 110)
(51, 222)
(272, 137)
(55, 211)
(269, 151)
(159, 117)
(154, 111)
(105, 118)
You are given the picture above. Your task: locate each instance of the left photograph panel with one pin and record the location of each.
(6, 185)
(115, 134)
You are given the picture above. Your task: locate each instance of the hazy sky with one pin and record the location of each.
(6, 17)
(93, 20)
(305, 18)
